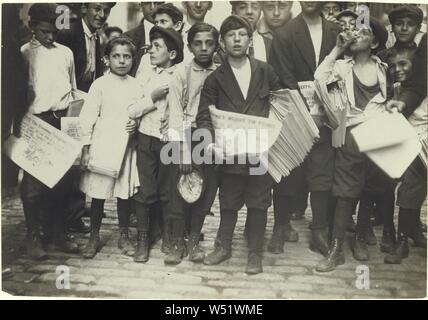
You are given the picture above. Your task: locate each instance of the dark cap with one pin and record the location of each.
(234, 22)
(379, 32)
(43, 12)
(346, 13)
(409, 11)
(173, 36)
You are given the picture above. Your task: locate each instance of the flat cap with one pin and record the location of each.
(43, 12)
(172, 35)
(410, 11)
(234, 22)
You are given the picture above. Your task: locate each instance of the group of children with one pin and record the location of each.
(169, 95)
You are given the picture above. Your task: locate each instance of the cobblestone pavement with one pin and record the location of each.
(285, 276)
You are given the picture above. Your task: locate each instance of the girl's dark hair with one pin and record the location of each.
(201, 27)
(121, 40)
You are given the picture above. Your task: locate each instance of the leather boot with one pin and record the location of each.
(361, 251)
(401, 251)
(335, 257)
(254, 264)
(142, 252)
(124, 243)
(370, 236)
(93, 245)
(34, 245)
(319, 241)
(196, 253)
(220, 254)
(176, 252)
(388, 240)
(62, 241)
(276, 244)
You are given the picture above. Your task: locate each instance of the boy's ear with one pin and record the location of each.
(172, 55)
(375, 44)
(178, 26)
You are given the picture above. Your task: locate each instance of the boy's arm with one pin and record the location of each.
(209, 96)
(141, 107)
(282, 62)
(177, 90)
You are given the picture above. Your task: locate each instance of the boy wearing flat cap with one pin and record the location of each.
(241, 84)
(165, 53)
(406, 22)
(51, 79)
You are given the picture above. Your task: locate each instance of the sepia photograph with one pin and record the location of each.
(214, 150)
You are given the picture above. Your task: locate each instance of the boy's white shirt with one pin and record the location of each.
(259, 46)
(332, 70)
(243, 77)
(154, 115)
(179, 88)
(51, 75)
(315, 31)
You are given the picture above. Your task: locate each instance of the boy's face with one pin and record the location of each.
(236, 42)
(95, 14)
(250, 10)
(165, 21)
(400, 67)
(405, 29)
(159, 54)
(277, 13)
(203, 47)
(363, 42)
(330, 9)
(197, 9)
(120, 59)
(312, 7)
(45, 33)
(148, 8)
(347, 23)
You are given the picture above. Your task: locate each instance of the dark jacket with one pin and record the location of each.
(138, 36)
(74, 38)
(292, 53)
(222, 90)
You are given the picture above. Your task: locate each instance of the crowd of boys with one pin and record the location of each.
(184, 65)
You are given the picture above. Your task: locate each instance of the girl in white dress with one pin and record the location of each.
(105, 121)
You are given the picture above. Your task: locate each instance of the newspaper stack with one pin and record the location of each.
(297, 134)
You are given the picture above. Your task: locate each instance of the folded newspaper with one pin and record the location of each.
(389, 141)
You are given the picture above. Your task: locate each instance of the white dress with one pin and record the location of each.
(108, 100)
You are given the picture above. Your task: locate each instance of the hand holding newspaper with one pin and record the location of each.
(389, 141)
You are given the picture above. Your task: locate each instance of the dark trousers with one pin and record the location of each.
(97, 211)
(44, 205)
(413, 189)
(154, 185)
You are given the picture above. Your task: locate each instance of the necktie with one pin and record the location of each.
(251, 51)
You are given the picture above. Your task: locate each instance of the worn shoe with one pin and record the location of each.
(34, 246)
(401, 251)
(176, 252)
(79, 226)
(196, 253)
(219, 255)
(387, 244)
(418, 237)
(124, 243)
(319, 241)
(142, 251)
(93, 246)
(361, 251)
(335, 257)
(254, 264)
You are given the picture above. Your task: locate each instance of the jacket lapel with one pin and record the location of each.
(253, 89)
(230, 86)
(304, 42)
(328, 39)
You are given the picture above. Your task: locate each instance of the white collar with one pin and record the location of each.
(86, 30)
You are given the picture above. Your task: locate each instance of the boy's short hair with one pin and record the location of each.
(43, 12)
(406, 11)
(201, 27)
(346, 13)
(121, 40)
(393, 52)
(110, 30)
(235, 3)
(171, 10)
(172, 39)
(234, 22)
